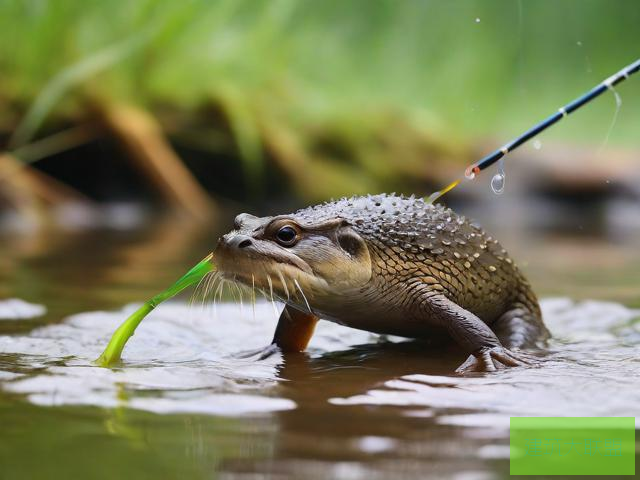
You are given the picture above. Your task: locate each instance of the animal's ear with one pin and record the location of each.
(351, 242)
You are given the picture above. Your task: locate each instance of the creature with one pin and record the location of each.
(392, 265)
(386, 264)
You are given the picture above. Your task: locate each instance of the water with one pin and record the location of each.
(354, 406)
(498, 180)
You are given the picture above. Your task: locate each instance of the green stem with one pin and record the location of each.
(111, 354)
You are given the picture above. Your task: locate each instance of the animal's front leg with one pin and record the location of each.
(475, 336)
(293, 333)
(295, 329)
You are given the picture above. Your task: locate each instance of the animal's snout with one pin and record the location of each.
(238, 241)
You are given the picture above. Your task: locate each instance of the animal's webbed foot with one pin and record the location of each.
(490, 359)
(261, 353)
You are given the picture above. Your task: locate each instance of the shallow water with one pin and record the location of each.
(354, 406)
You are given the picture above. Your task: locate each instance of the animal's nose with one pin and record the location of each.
(241, 219)
(239, 241)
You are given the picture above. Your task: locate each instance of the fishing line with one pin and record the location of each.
(474, 169)
(618, 99)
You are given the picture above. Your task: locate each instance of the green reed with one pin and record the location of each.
(113, 351)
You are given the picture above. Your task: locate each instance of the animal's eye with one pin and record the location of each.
(287, 236)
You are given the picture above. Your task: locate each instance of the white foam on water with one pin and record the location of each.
(181, 359)
(184, 359)
(17, 309)
(374, 444)
(592, 371)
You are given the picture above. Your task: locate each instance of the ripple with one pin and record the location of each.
(183, 359)
(180, 360)
(591, 370)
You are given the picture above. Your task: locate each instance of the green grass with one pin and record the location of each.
(113, 350)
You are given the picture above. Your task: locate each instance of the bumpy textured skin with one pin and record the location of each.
(433, 271)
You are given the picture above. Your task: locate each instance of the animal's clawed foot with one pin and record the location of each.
(261, 353)
(490, 359)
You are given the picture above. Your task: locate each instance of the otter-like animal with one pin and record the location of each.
(391, 265)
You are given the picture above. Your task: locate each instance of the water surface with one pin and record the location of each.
(354, 406)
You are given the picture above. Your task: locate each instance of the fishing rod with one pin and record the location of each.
(475, 168)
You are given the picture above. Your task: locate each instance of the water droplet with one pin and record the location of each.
(537, 144)
(498, 180)
(579, 43)
(477, 19)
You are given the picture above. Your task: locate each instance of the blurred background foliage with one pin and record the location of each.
(257, 99)
(116, 114)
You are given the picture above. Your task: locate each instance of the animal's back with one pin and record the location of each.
(415, 243)
(388, 264)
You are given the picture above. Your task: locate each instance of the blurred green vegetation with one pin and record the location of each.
(376, 89)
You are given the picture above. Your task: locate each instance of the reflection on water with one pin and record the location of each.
(354, 406)
(182, 361)
(595, 352)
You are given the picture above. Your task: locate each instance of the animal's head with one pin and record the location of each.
(289, 253)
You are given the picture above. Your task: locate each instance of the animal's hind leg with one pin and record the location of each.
(470, 332)
(520, 328)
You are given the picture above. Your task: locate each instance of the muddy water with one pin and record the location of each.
(355, 406)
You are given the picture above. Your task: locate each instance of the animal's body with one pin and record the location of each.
(391, 265)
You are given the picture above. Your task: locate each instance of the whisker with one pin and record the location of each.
(231, 291)
(303, 295)
(217, 296)
(210, 280)
(253, 296)
(284, 285)
(240, 297)
(273, 303)
(197, 291)
(202, 292)
(270, 287)
(211, 286)
(224, 284)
